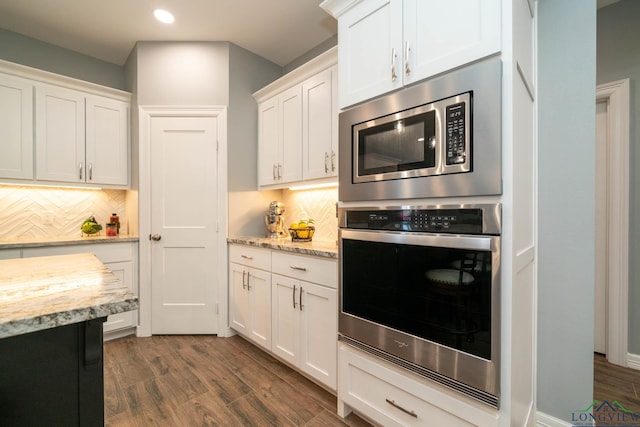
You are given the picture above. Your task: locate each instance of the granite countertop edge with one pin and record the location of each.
(48, 292)
(315, 248)
(22, 243)
(54, 320)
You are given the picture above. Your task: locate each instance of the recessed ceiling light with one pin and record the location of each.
(163, 16)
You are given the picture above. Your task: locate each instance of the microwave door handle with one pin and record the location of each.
(393, 65)
(407, 51)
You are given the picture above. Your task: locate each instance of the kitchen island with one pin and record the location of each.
(51, 315)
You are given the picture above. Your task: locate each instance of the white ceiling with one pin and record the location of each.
(278, 30)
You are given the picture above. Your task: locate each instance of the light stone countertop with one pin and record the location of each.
(32, 242)
(316, 248)
(47, 292)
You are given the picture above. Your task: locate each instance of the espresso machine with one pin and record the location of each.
(274, 220)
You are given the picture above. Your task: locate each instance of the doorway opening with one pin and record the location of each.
(612, 222)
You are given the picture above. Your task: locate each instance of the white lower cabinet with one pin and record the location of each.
(392, 396)
(121, 258)
(287, 303)
(304, 326)
(250, 293)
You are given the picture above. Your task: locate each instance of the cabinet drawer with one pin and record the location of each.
(250, 256)
(384, 394)
(311, 269)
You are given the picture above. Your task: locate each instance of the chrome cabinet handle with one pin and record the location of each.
(273, 171)
(279, 171)
(155, 237)
(407, 50)
(301, 298)
(333, 161)
(244, 285)
(80, 170)
(326, 162)
(246, 256)
(406, 411)
(294, 296)
(248, 281)
(393, 65)
(90, 171)
(293, 267)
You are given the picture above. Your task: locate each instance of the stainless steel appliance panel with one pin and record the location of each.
(481, 175)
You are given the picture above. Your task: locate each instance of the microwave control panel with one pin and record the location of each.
(456, 133)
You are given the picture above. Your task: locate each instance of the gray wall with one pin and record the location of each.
(619, 58)
(566, 204)
(307, 56)
(44, 56)
(182, 73)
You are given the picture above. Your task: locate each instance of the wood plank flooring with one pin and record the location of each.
(613, 382)
(208, 381)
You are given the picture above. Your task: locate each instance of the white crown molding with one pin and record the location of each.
(309, 69)
(337, 7)
(41, 76)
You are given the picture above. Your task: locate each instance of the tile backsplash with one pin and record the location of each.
(318, 204)
(33, 212)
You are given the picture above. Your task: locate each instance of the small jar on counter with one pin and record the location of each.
(116, 220)
(112, 229)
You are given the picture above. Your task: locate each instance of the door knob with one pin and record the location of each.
(155, 237)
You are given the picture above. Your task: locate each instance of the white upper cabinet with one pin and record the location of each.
(60, 138)
(385, 44)
(81, 138)
(320, 125)
(16, 128)
(280, 129)
(59, 130)
(297, 125)
(107, 140)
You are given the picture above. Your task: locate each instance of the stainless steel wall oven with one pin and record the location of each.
(420, 287)
(439, 138)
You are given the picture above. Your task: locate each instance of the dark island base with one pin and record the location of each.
(53, 377)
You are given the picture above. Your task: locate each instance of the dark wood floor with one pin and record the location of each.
(207, 381)
(613, 382)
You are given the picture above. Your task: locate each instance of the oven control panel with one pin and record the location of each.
(463, 220)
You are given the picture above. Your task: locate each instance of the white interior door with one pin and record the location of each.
(183, 225)
(601, 233)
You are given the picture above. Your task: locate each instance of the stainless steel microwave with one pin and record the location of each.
(439, 138)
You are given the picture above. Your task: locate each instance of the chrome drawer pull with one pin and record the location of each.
(395, 405)
(293, 267)
(246, 256)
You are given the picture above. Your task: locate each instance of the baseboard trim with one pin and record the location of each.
(633, 361)
(544, 420)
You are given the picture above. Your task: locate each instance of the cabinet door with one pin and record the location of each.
(16, 128)
(319, 121)
(285, 317)
(268, 141)
(290, 154)
(124, 271)
(370, 50)
(239, 305)
(319, 337)
(107, 141)
(440, 36)
(60, 137)
(259, 285)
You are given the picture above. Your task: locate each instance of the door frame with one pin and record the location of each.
(146, 113)
(616, 94)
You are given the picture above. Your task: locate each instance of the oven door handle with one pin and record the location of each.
(455, 241)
